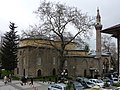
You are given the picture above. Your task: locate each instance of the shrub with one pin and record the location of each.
(15, 78)
(116, 84)
(69, 86)
(5, 73)
(106, 84)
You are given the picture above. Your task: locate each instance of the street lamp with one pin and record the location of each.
(63, 74)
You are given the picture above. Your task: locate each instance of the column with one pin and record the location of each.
(118, 54)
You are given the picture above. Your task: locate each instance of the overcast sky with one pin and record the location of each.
(21, 11)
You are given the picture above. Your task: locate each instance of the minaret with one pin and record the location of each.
(98, 28)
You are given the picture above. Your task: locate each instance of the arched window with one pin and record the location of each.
(66, 63)
(54, 60)
(105, 66)
(39, 73)
(54, 71)
(85, 73)
(17, 70)
(24, 72)
(39, 61)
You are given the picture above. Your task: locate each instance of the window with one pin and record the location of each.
(54, 59)
(20, 52)
(24, 62)
(18, 62)
(54, 71)
(39, 73)
(24, 72)
(65, 62)
(39, 61)
(17, 70)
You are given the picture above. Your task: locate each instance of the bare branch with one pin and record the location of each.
(55, 18)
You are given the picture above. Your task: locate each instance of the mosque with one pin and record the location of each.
(42, 60)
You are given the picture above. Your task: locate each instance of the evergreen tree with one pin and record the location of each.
(9, 49)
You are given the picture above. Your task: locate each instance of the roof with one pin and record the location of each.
(78, 56)
(44, 40)
(78, 50)
(93, 53)
(114, 30)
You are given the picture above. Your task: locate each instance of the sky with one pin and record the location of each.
(21, 12)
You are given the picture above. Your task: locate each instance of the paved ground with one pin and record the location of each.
(37, 85)
(106, 88)
(15, 85)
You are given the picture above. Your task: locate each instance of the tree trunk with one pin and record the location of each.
(62, 61)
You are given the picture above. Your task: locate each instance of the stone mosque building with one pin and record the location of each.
(42, 60)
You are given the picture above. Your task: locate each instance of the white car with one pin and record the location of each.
(58, 86)
(115, 80)
(98, 82)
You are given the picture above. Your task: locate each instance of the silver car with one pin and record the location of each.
(58, 86)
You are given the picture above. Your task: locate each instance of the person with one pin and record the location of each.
(49, 81)
(43, 79)
(31, 79)
(26, 79)
(5, 80)
(9, 78)
(56, 80)
(23, 79)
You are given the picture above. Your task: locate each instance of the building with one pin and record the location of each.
(114, 31)
(37, 58)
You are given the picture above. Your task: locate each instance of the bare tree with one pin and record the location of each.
(109, 46)
(56, 19)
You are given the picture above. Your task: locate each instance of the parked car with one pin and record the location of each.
(77, 85)
(85, 82)
(119, 79)
(58, 86)
(98, 82)
(89, 84)
(117, 88)
(82, 78)
(115, 80)
(107, 80)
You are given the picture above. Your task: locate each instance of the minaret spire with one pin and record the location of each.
(98, 18)
(98, 28)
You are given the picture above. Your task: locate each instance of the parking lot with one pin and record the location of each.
(37, 85)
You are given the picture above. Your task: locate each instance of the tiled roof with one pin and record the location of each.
(114, 30)
(113, 27)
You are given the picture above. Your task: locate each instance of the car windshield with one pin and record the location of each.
(93, 81)
(115, 79)
(77, 84)
(57, 87)
(89, 82)
(99, 81)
